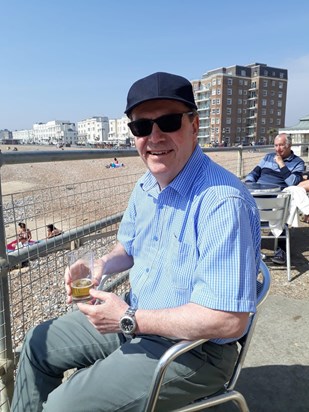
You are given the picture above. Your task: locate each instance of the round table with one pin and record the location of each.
(254, 187)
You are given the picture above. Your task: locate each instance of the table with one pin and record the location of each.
(255, 188)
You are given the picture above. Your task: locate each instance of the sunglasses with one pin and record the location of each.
(167, 123)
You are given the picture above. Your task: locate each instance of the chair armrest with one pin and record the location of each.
(166, 359)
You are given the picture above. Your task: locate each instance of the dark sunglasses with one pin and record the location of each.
(167, 123)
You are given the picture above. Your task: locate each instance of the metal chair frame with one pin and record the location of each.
(275, 209)
(228, 393)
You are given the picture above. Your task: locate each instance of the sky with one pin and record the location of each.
(74, 59)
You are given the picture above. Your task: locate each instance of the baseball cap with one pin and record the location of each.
(160, 85)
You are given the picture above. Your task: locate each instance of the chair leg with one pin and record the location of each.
(288, 254)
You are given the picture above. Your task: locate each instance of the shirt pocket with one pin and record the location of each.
(181, 263)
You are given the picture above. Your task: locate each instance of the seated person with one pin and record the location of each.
(24, 234)
(305, 184)
(52, 231)
(185, 282)
(282, 168)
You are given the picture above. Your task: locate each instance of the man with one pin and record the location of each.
(282, 168)
(186, 283)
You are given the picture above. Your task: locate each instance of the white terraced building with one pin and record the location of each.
(93, 130)
(55, 132)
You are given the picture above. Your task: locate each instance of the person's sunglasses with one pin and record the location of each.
(167, 123)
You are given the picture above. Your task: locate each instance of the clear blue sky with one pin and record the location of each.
(73, 59)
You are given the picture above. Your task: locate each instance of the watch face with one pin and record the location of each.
(127, 324)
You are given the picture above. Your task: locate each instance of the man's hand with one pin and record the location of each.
(279, 161)
(104, 317)
(98, 269)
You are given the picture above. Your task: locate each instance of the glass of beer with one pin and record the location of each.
(81, 269)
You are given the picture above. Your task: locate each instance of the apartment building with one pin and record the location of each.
(54, 132)
(24, 136)
(241, 104)
(119, 132)
(5, 135)
(93, 130)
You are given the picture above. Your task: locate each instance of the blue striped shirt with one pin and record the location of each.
(197, 240)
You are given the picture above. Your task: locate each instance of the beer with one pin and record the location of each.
(80, 289)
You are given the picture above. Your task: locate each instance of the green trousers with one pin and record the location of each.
(114, 373)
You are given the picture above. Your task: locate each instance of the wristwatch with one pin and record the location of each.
(128, 323)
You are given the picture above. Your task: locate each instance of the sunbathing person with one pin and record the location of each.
(52, 231)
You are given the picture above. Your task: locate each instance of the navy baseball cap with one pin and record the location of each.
(160, 85)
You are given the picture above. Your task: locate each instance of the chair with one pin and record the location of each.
(274, 210)
(228, 393)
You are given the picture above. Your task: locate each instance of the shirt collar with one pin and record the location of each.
(184, 179)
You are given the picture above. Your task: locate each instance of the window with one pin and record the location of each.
(264, 93)
(217, 111)
(280, 95)
(265, 72)
(229, 92)
(213, 111)
(218, 81)
(278, 122)
(213, 92)
(229, 82)
(218, 91)
(281, 75)
(265, 83)
(271, 120)
(239, 111)
(218, 101)
(213, 102)
(279, 103)
(262, 129)
(228, 120)
(243, 72)
(228, 111)
(280, 85)
(238, 120)
(217, 120)
(272, 102)
(241, 82)
(264, 102)
(229, 101)
(240, 92)
(239, 101)
(263, 120)
(213, 120)
(279, 113)
(263, 112)
(213, 82)
(228, 130)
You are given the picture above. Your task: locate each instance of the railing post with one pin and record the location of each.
(6, 352)
(240, 163)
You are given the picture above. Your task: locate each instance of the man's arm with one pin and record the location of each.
(117, 260)
(190, 321)
(291, 177)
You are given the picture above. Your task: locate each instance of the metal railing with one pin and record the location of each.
(88, 213)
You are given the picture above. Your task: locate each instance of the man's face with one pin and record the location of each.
(166, 153)
(281, 147)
